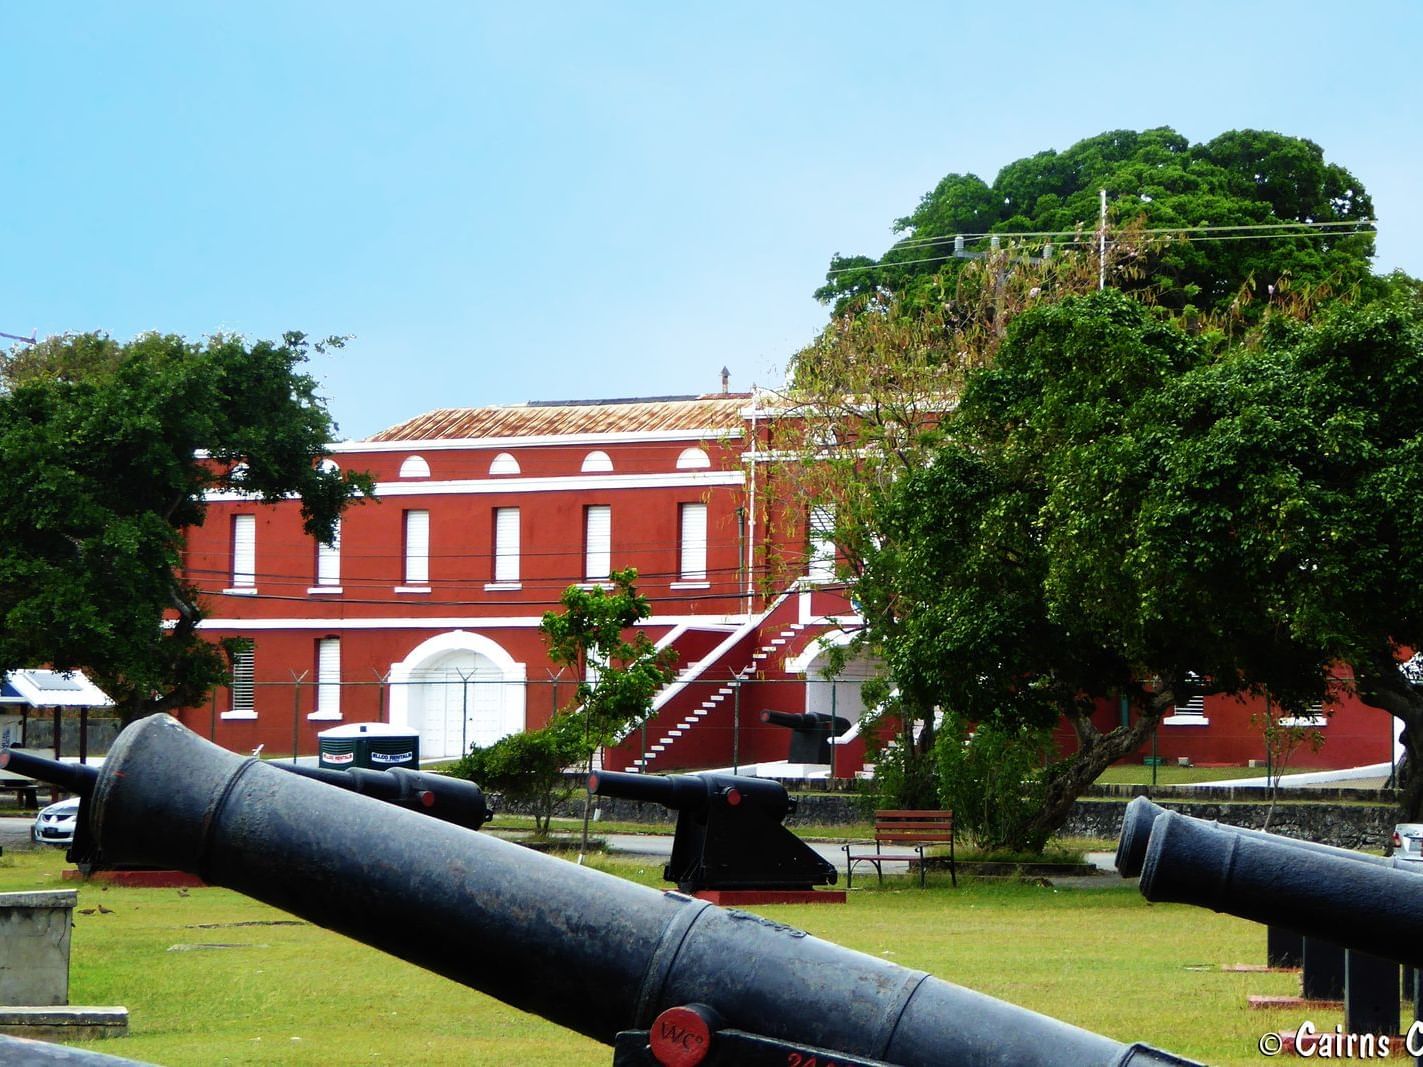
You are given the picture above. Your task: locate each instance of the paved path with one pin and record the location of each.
(15, 833)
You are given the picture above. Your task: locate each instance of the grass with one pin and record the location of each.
(287, 992)
(1138, 774)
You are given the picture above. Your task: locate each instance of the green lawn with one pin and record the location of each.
(284, 992)
(1138, 774)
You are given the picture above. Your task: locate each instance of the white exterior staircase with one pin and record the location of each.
(718, 698)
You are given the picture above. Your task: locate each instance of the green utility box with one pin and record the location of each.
(377, 745)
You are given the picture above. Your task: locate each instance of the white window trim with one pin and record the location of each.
(412, 589)
(414, 467)
(327, 649)
(820, 550)
(507, 547)
(416, 558)
(597, 553)
(500, 587)
(689, 585)
(692, 550)
(249, 712)
(324, 590)
(244, 553)
(328, 560)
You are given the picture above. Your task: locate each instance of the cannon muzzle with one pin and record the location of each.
(1141, 815)
(450, 799)
(1364, 906)
(71, 777)
(586, 950)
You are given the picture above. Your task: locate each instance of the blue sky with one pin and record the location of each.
(540, 201)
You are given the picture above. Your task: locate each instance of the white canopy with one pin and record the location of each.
(52, 689)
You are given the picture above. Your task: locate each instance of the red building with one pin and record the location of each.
(425, 611)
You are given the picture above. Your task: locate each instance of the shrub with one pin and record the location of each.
(991, 776)
(528, 767)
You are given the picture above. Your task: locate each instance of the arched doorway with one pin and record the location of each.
(456, 690)
(840, 694)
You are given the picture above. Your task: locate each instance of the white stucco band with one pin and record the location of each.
(482, 660)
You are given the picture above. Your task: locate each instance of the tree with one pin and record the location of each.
(1293, 469)
(529, 767)
(619, 673)
(106, 452)
(1117, 512)
(969, 595)
(1250, 179)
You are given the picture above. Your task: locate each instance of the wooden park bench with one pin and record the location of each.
(918, 828)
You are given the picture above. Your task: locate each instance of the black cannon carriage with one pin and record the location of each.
(621, 963)
(729, 834)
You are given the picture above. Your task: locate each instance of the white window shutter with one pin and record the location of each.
(821, 564)
(328, 677)
(598, 556)
(244, 551)
(693, 566)
(506, 544)
(417, 547)
(328, 559)
(242, 678)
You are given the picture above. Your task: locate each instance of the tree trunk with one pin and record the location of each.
(1381, 684)
(1067, 779)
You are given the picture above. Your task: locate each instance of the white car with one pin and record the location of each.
(55, 824)
(1408, 842)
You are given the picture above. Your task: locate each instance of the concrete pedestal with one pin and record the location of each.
(34, 947)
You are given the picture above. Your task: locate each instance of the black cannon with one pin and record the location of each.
(729, 833)
(810, 733)
(1268, 879)
(620, 963)
(1141, 815)
(450, 799)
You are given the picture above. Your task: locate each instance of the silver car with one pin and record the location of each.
(54, 825)
(1408, 842)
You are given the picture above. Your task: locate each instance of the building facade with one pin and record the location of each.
(424, 612)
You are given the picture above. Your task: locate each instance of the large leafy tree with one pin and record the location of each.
(1287, 508)
(1251, 180)
(106, 452)
(966, 590)
(1115, 512)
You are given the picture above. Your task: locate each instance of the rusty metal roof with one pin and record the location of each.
(715, 412)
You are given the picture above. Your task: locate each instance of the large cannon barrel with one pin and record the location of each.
(451, 799)
(1141, 815)
(689, 792)
(807, 720)
(1360, 905)
(584, 949)
(73, 777)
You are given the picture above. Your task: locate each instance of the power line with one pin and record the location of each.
(1203, 227)
(884, 265)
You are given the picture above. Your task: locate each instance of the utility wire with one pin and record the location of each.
(1204, 227)
(883, 265)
